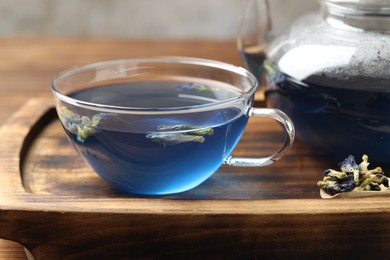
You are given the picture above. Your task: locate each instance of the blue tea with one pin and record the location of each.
(339, 117)
(156, 153)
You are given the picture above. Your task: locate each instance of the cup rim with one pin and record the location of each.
(163, 59)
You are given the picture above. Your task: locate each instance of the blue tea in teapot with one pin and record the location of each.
(331, 74)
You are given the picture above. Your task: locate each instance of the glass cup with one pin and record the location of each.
(160, 125)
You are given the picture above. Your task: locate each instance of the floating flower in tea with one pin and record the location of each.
(171, 139)
(195, 134)
(81, 126)
(195, 86)
(195, 130)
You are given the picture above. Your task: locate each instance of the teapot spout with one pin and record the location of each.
(254, 35)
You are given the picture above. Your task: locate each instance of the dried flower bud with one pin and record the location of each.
(353, 177)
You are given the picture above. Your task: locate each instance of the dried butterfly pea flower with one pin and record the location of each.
(353, 177)
(349, 166)
(333, 173)
(333, 187)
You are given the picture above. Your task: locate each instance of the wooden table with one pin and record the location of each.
(283, 217)
(27, 66)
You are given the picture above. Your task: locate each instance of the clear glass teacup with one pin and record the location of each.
(160, 125)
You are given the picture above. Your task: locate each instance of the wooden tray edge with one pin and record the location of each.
(21, 127)
(16, 134)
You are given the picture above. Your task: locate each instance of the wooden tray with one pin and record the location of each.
(56, 207)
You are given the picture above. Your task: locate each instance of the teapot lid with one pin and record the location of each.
(368, 15)
(362, 3)
(365, 7)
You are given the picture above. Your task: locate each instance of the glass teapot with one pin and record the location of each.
(330, 73)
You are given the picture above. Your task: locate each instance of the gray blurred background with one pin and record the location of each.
(177, 19)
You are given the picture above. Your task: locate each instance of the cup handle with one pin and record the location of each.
(288, 125)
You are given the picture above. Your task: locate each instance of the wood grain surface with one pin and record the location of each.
(51, 203)
(272, 212)
(267, 222)
(27, 66)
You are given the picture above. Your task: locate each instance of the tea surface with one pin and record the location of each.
(157, 153)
